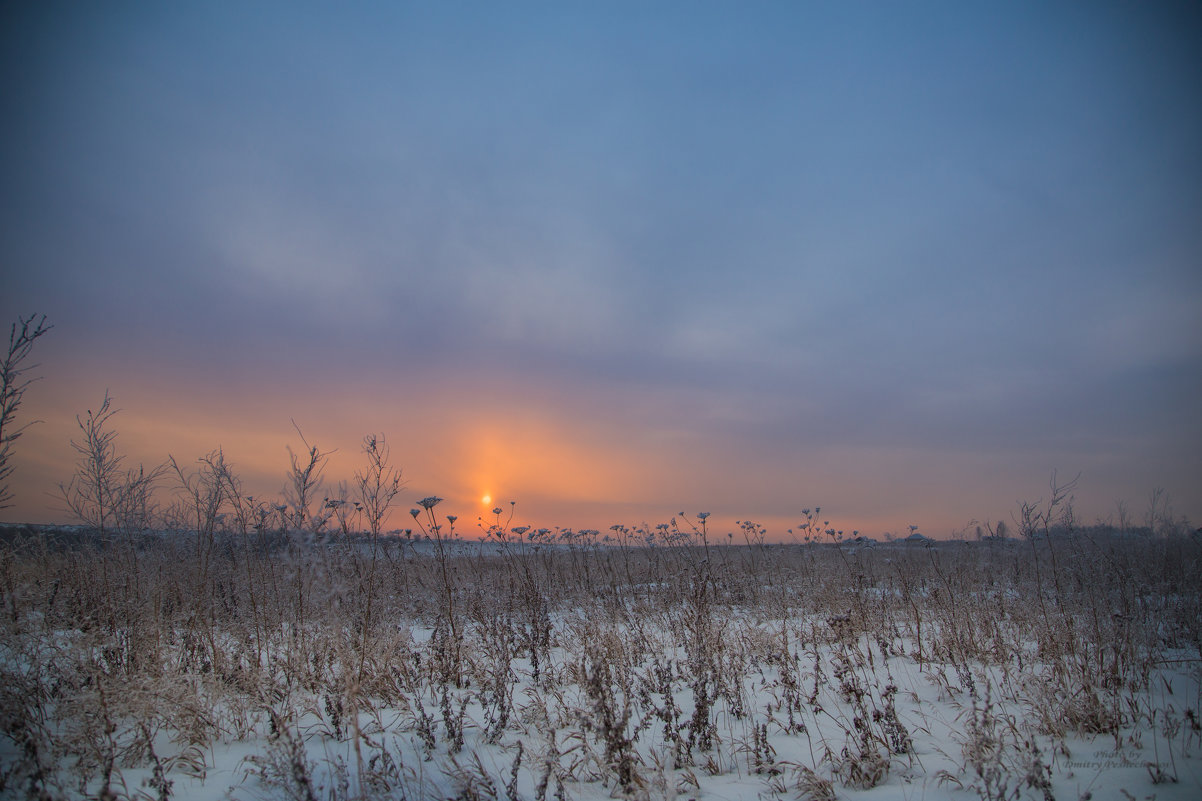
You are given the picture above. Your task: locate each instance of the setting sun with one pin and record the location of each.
(487, 499)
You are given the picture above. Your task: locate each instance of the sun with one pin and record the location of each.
(487, 499)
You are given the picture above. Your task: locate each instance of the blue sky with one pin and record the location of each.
(619, 260)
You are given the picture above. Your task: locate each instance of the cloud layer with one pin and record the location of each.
(899, 262)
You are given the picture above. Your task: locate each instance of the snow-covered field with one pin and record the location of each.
(1066, 668)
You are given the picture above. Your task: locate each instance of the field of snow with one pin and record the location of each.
(1067, 668)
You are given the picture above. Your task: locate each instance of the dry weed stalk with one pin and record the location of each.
(689, 657)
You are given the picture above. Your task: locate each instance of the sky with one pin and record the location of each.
(616, 261)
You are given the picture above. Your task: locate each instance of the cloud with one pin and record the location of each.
(738, 259)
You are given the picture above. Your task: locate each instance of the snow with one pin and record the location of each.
(933, 705)
(805, 689)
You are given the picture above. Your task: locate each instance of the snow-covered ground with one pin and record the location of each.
(912, 673)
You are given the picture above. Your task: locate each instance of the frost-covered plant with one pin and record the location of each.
(610, 718)
(284, 765)
(102, 494)
(14, 381)
(305, 479)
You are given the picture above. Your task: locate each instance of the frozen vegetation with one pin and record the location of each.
(249, 657)
(189, 641)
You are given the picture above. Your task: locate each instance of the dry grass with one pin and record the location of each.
(360, 666)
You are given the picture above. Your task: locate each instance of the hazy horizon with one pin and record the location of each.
(620, 261)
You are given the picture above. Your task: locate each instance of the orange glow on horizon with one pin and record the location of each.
(543, 466)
